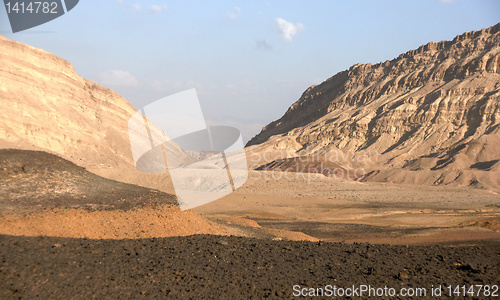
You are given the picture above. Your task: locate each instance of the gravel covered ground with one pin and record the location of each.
(217, 267)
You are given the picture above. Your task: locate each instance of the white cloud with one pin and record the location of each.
(137, 7)
(287, 29)
(447, 1)
(118, 78)
(263, 45)
(233, 15)
(118, 1)
(157, 8)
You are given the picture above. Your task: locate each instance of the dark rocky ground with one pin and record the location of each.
(194, 267)
(37, 180)
(216, 267)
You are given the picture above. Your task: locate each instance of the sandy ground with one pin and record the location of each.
(44, 195)
(160, 221)
(341, 210)
(334, 209)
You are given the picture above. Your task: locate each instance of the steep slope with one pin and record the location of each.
(46, 105)
(431, 115)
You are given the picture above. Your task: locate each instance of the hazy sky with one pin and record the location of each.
(248, 60)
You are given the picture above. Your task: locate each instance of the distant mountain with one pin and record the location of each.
(432, 115)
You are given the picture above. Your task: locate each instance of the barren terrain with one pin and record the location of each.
(340, 210)
(335, 209)
(87, 224)
(215, 267)
(42, 194)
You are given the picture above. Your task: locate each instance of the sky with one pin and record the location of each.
(248, 60)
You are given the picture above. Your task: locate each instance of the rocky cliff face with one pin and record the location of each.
(45, 105)
(432, 115)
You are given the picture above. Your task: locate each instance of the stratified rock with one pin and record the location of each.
(429, 116)
(46, 105)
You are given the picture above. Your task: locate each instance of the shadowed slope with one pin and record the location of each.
(35, 180)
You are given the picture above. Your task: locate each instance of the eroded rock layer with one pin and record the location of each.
(47, 106)
(432, 115)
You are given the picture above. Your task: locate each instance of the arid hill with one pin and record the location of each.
(32, 181)
(43, 194)
(46, 105)
(430, 116)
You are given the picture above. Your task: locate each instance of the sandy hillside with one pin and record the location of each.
(44, 195)
(46, 105)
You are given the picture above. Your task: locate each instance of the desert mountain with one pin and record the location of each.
(78, 126)
(430, 116)
(46, 105)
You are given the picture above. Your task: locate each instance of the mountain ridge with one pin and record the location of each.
(47, 106)
(427, 107)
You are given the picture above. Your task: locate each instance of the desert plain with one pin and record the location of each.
(79, 220)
